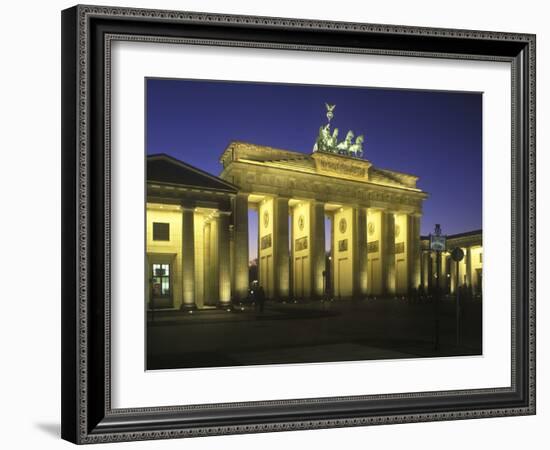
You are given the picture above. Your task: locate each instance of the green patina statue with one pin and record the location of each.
(328, 142)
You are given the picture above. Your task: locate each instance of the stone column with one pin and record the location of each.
(240, 245)
(332, 257)
(360, 275)
(214, 261)
(317, 251)
(188, 257)
(258, 246)
(387, 253)
(208, 291)
(224, 273)
(444, 281)
(281, 256)
(424, 269)
(291, 256)
(232, 256)
(454, 268)
(413, 250)
(469, 269)
(461, 267)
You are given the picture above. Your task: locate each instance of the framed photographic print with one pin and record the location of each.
(281, 224)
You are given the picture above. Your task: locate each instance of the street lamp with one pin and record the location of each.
(458, 255)
(438, 244)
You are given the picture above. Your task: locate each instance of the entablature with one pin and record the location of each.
(280, 182)
(188, 196)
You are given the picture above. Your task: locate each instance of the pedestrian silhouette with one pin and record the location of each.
(260, 298)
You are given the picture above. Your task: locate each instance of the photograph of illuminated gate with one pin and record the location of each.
(276, 237)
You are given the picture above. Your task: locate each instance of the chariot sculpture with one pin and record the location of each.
(327, 141)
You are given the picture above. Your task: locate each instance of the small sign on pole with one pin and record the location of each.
(438, 243)
(457, 254)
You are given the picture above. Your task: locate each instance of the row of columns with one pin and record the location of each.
(448, 267)
(232, 278)
(387, 252)
(219, 267)
(283, 271)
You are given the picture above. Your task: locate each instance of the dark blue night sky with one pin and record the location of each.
(435, 135)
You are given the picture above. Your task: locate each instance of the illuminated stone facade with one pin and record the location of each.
(374, 217)
(188, 244)
(198, 230)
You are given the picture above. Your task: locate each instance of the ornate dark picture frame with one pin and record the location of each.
(87, 33)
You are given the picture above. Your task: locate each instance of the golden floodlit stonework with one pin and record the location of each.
(303, 190)
(328, 225)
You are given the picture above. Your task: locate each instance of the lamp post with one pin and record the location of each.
(458, 255)
(438, 243)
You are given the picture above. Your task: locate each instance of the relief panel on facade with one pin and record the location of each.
(343, 259)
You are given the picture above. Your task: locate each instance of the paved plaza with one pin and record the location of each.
(283, 333)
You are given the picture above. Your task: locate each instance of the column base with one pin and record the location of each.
(188, 307)
(227, 306)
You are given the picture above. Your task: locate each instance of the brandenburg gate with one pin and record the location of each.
(374, 219)
(374, 223)
(198, 225)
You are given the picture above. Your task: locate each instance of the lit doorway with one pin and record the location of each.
(161, 286)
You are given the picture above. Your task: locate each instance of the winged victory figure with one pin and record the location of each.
(330, 108)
